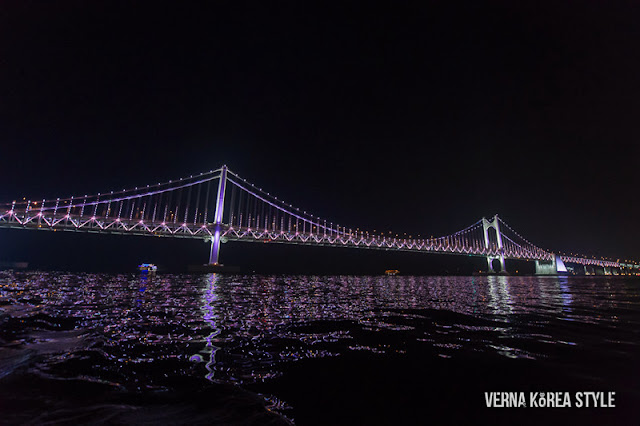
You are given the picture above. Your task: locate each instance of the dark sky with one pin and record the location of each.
(417, 118)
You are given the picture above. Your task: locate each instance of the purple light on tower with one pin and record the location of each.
(215, 247)
(217, 219)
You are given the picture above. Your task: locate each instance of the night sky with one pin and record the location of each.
(417, 118)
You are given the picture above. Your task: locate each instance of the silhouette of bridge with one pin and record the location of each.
(220, 206)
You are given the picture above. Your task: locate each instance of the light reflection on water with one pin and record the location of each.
(242, 329)
(253, 313)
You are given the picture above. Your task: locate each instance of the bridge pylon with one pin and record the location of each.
(495, 224)
(214, 256)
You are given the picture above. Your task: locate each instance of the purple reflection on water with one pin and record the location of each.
(148, 333)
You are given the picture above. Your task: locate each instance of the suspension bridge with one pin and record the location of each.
(220, 206)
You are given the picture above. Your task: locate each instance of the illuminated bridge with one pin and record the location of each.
(220, 206)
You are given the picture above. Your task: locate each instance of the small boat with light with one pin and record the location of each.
(147, 268)
(391, 272)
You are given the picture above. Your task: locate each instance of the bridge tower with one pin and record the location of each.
(214, 256)
(495, 224)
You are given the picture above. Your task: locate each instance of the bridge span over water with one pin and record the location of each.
(220, 206)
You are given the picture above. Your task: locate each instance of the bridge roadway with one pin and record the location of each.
(206, 231)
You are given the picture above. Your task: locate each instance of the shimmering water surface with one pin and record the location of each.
(221, 349)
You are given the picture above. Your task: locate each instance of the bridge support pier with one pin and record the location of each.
(214, 255)
(550, 267)
(546, 267)
(490, 260)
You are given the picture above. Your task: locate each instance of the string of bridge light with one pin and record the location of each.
(520, 236)
(316, 220)
(124, 191)
(115, 200)
(532, 253)
(311, 219)
(577, 256)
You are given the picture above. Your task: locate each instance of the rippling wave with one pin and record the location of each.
(192, 349)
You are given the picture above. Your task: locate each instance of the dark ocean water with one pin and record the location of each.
(312, 350)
